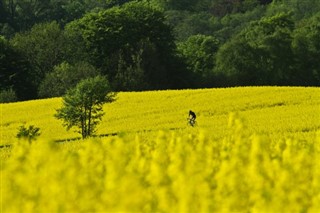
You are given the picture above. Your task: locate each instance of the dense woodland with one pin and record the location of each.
(48, 46)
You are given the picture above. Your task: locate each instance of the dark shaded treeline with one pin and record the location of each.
(48, 46)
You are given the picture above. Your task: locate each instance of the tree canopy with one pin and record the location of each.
(124, 39)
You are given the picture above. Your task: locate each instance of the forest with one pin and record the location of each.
(48, 46)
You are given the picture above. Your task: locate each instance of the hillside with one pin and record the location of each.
(278, 111)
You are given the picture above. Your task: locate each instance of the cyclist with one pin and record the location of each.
(192, 118)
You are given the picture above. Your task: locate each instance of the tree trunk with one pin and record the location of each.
(89, 121)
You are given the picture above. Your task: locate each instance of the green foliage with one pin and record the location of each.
(82, 105)
(178, 4)
(6, 30)
(221, 8)
(130, 76)
(260, 54)
(272, 35)
(299, 9)
(23, 14)
(218, 8)
(186, 23)
(15, 71)
(43, 46)
(64, 77)
(236, 61)
(7, 96)
(306, 46)
(231, 24)
(29, 133)
(199, 51)
(133, 42)
(116, 36)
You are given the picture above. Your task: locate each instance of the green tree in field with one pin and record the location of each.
(82, 105)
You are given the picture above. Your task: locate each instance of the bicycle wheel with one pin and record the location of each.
(191, 122)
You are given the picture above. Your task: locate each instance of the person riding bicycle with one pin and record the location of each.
(192, 117)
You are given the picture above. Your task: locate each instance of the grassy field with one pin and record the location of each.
(254, 149)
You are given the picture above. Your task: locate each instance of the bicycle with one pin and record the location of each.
(191, 122)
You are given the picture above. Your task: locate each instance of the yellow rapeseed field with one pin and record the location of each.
(254, 149)
(277, 111)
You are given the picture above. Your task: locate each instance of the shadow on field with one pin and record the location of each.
(108, 135)
(79, 138)
(67, 139)
(96, 136)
